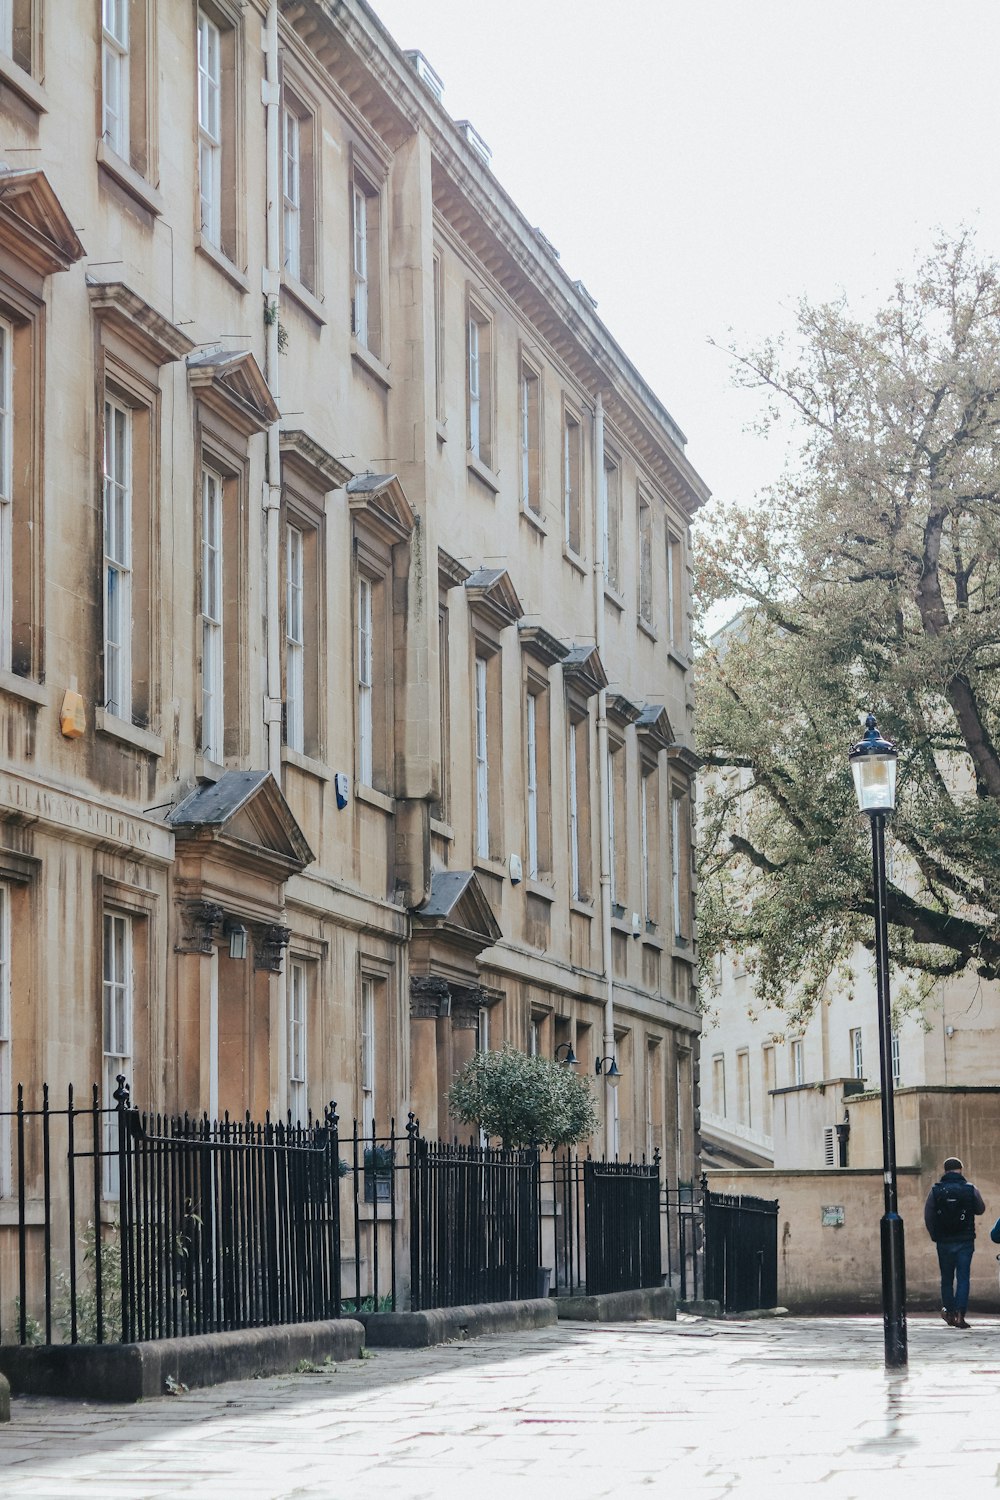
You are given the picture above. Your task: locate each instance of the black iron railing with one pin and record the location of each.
(622, 1226)
(131, 1226)
(602, 1223)
(473, 1224)
(59, 1256)
(376, 1167)
(226, 1224)
(563, 1239)
(117, 1225)
(741, 1251)
(684, 1238)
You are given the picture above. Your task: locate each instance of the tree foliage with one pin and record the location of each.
(524, 1101)
(867, 580)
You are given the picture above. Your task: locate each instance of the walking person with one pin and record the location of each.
(950, 1216)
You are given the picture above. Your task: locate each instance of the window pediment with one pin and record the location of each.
(622, 710)
(33, 224)
(451, 573)
(458, 905)
(583, 670)
(378, 501)
(492, 596)
(685, 757)
(541, 645)
(320, 468)
(233, 385)
(653, 726)
(246, 810)
(140, 325)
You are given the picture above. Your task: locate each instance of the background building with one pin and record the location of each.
(344, 686)
(791, 1110)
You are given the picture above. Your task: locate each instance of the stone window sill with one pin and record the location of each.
(482, 472)
(24, 688)
(305, 763)
(144, 193)
(128, 734)
(305, 299)
(374, 798)
(23, 84)
(222, 263)
(371, 363)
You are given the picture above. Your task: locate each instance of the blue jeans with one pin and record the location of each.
(955, 1260)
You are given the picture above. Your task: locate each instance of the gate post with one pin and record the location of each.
(412, 1128)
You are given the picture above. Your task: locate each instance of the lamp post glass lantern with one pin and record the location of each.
(609, 1067)
(873, 766)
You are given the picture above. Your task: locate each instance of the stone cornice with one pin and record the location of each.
(451, 573)
(346, 41)
(302, 452)
(541, 644)
(122, 309)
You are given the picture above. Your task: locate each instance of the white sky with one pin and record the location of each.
(700, 165)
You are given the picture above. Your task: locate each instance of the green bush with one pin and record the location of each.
(110, 1252)
(524, 1101)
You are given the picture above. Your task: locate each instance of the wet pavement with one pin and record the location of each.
(764, 1408)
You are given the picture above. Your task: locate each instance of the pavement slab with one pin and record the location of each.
(763, 1408)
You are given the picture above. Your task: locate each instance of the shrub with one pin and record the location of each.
(110, 1253)
(525, 1101)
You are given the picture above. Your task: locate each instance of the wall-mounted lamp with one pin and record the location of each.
(609, 1068)
(237, 935)
(571, 1059)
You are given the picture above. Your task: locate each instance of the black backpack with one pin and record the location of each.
(954, 1210)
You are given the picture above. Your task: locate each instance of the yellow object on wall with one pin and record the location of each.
(72, 716)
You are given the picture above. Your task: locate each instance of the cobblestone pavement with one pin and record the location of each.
(694, 1408)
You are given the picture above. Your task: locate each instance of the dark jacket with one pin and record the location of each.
(948, 1180)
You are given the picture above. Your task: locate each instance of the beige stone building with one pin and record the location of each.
(344, 658)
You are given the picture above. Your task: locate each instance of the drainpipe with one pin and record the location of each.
(600, 567)
(271, 287)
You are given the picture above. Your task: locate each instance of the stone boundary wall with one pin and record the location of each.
(829, 1256)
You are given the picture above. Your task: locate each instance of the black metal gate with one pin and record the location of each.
(621, 1206)
(473, 1224)
(741, 1251)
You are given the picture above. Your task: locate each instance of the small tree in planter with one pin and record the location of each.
(524, 1101)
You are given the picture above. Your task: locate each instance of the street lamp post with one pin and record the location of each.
(873, 766)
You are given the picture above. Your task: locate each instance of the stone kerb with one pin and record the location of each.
(620, 1307)
(419, 1330)
(135, 1372)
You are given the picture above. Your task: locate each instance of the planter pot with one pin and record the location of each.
(378, 1185)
